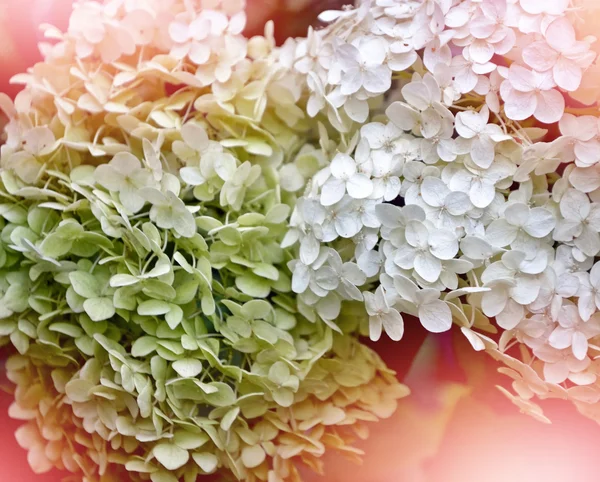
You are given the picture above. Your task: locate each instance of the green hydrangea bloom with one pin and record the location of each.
(142, 279)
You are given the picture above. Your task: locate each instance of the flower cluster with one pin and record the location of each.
(463, 181)
(196, 226)
(142, 278)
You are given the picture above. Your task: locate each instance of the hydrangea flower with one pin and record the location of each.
(187, 271)
(142, 279)
(484, 181)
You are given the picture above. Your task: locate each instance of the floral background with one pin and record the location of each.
(456, 426)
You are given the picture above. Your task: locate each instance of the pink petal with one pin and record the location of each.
(540, 56)
(550, 106)
(567, 74)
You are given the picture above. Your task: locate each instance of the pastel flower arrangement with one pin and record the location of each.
(197, 227)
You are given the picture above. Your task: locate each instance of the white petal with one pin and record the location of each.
(550, 106)
(406, 288)
(300, 278)
(347, 224)
(443, 244)
(343, 166)
(378, 80)
(585, 179)
(402, 61)
(402, 115)
(517, 213)
(475, 341)
(309, 249)
(511, 316)
(482, 193)
(435, 316)
(352, 82)
(375, 327)
(580, 345)
(458, 203)
(560, 34)
(428, 266)
(574, 205)
(541, 222)
(194, 136)
(471, 123)
(131, 200)
(357, 110)
(481, 51)
(561, 338)
(417, 95)
(192, 176)
(500, 233)
(540, 56)
(588, 241)
(417, 234)
(373, 50)
(108, 176)
(434, 191)
(556, 372)
(482, 151)
(521, 79)
(567, 74)
(587, 153)
(431, 123)
(493, 302)
(332, 192)
(370, 263)
(520, 105)
(393, 324)
(476, 248)
(359, 186)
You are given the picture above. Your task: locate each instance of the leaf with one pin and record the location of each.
(163, 476)
(144, 400)
(189, 440)
(143, 346)
(256, 309)
(55, 246)
(84, 284)
(283, 397)
(171, 456)
(78, 390)
(124, 298)
(253, 456)
(277, 214)
(188, 367)
(20, 341)
(252, 285)
(174, 316)
(265, 331)
(223, 397)
(279, 373)
(99, 309)
(229, 418)
(7, 327)
(68, 329)
(137, 464)
(206, 461)
(153, 308)
(120, 280)
(267, 271)
(13, 213)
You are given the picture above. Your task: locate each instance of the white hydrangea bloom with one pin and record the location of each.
(457, 180)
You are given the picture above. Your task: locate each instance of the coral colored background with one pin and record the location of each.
(444, 432)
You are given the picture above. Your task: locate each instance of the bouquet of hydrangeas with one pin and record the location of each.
(196, 227)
